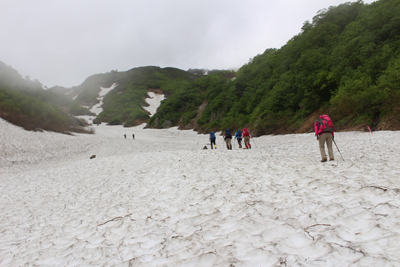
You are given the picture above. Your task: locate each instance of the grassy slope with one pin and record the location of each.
(26, 104)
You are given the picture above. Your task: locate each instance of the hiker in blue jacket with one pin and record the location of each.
(212, 140)
(238, 136)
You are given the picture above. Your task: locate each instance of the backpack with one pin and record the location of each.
(326, 124)
(245, 132)
(228, 134)
(238, 134)
(212, 136)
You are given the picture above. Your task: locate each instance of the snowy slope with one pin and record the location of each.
(154, 102)
(161, 200)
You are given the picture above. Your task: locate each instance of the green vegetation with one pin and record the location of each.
(88, 92)
(345, 62)
(182, 106)
(25, 103)
(124, 104)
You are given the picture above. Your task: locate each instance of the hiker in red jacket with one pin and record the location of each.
(246, 137)
(324, 131)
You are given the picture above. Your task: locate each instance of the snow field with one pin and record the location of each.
(161, 200)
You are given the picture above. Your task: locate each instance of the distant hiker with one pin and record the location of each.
(228, 139)
(133, 136)
(125, 136)
(324, 131)
(238, 136)
(246, 136)
(212, 140)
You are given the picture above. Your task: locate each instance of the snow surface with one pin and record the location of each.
(154, 102)
(161, 200)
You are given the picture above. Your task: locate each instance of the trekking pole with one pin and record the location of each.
(254, 141)
(338, 149)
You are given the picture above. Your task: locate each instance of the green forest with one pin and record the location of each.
(345, 62)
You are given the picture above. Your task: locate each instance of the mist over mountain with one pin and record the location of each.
(25, 103)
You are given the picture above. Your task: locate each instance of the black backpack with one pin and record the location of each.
(228, 134)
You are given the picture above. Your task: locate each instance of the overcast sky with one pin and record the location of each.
(63, 42)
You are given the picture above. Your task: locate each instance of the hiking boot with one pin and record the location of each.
(331, 159)
(323, 160)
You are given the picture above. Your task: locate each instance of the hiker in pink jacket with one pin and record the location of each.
(246, 137)
(324, 131)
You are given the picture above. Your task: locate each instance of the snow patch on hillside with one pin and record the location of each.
(154, 101)
(96, 109)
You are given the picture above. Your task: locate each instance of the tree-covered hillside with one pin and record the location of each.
(124, 104)
(182, 106)
(27, 104)
(345, 62)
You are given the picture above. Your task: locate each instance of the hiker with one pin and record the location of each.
(246, 137)
(324, 131)
(238, 136)
(125, 136)
(228, 139)
(133, 136)
(212, 140)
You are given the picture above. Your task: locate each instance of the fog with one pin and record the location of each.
(63, 42)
